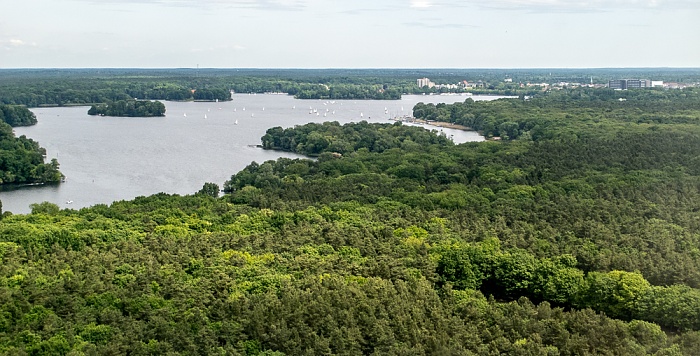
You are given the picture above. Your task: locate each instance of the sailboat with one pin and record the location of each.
(185, 114)
(205, 116)
(235, 122)
(362, 115)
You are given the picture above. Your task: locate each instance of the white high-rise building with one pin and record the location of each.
(425, 82)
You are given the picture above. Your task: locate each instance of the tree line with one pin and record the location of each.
(34, 88)
(130, 108)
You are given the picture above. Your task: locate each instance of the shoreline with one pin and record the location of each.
(446, 125)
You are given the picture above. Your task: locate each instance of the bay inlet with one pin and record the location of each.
(107, 159)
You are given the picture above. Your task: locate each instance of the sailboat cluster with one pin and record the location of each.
(317, 111)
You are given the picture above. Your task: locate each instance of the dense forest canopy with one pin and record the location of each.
(14, 115)
(576, 234)
(313, 139)
(21, 158)
(130, 108)
(571, 113)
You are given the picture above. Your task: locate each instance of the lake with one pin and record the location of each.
(107, 159)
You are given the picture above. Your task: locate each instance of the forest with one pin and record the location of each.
(129, 108)
(21, 158)
(577, 233)
(570, 113)
(16, 116)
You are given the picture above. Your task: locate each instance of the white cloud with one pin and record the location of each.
(583, 5)
(219, 48)
(437, 24)
(421, 4)
(15, 43)
(254, 4)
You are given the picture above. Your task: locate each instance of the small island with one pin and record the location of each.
(129, 108)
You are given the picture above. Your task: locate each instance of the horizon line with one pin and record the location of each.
(336, 68)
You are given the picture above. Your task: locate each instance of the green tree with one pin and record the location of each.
(44, 208)
(209, 189)
(617, 293)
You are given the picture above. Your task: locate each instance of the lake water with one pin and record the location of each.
(106, 159)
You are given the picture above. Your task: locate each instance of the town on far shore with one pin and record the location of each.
(617, 84)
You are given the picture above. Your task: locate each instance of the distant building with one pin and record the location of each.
(617, 84)
(638, 83)
(508, 80)
(543, 85)
(446, 86)
(425, 82)
(673, 85)
(625, 84)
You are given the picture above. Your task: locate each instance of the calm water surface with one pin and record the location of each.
(106, 159)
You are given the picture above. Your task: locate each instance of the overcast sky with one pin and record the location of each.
(349, 33)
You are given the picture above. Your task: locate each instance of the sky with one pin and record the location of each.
(349, 33)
